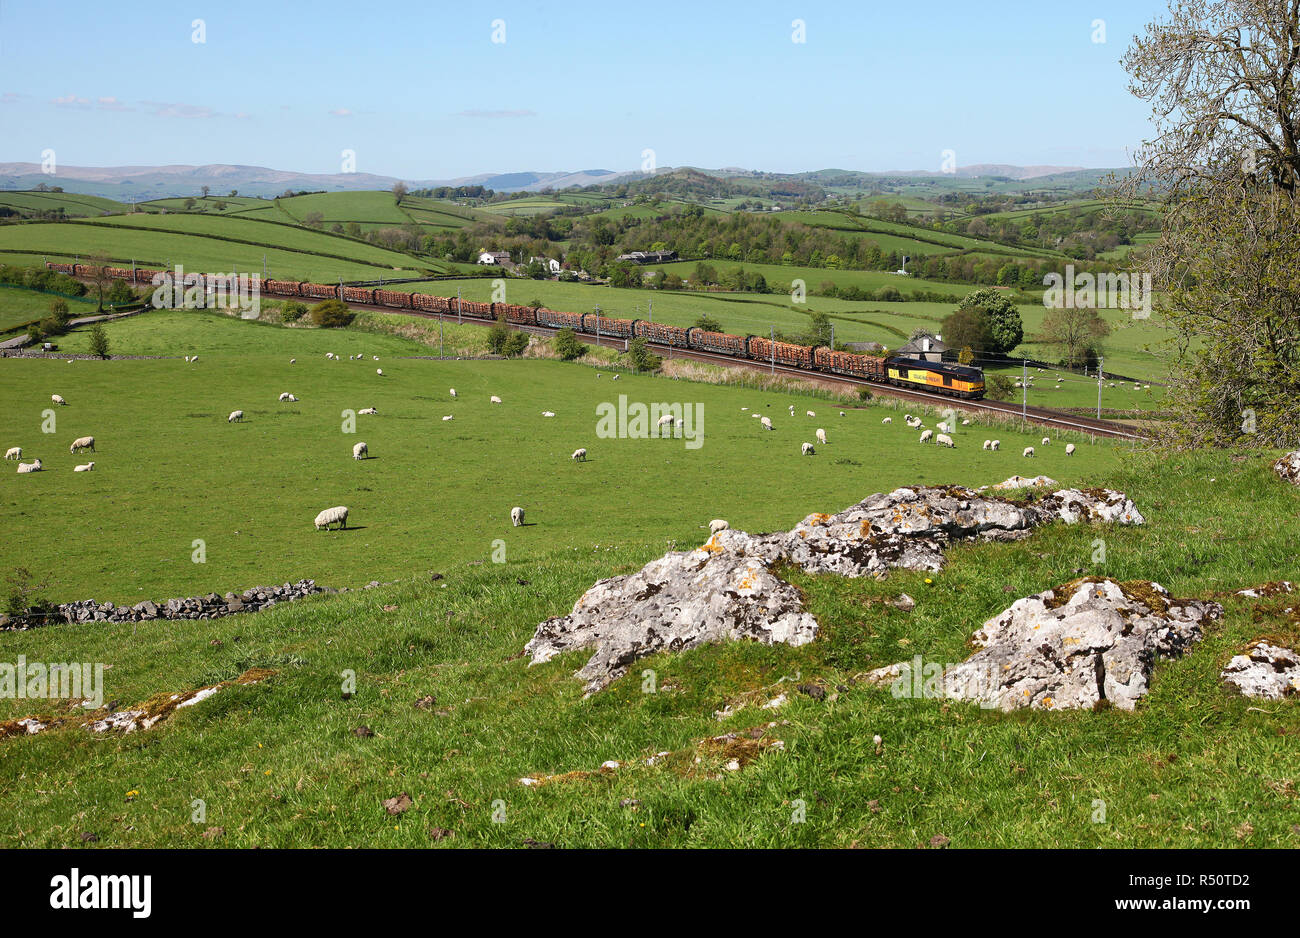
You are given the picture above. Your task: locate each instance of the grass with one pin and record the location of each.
(19, 305)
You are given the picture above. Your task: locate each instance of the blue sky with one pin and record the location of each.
(420, 90)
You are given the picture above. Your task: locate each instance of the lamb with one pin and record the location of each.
(1069, 449)
(380, 372)
(665, 420)
(548, 413)
(193, 359)
(375, 357)
(516, 516)
(944, 439)
(86, 468)
(841, 413)
(235, 415)
(767, 423)
(1046, 441)
(446, 418)
(337, 515)
(286, 396)
(615, 378)
(360, 451)
(368, 411)
(453, 392)
(82, 442)
(965, 423)
(58, 399)
(821, 436)
(810, 413)
(716, 525)
(927, 436)
(24, 467)
(988, 443)
(494, 399)
(14, 452)
(1029, 452)
(807, 449)
(293, 361)
(292, 399)
(327, 355)
(887, 420)
(995, 445)
(579, 455)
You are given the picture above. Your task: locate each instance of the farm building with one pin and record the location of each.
(649, 257)
(494, 257)
(925, 346)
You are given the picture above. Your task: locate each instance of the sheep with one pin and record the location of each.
(755, 416)
(927, 436)
(887, 420)
(1069, 449)
(841, 413)
(86, 468)
(548, 413)
(25, 467)
(615, 378)
(368, 411)
(375, 357)
(516, 516)
(380, 372)
(58, 399)
(810, 413)
(494, 399)
(665, 420)
(678, 422)
(807, 449)
(327, 355)
(995, 445)
(337, 515)
(360, 451)
(14, 452)
(82, 442)
(452, 391)
(285, 396)
(293, 361)
(1029, 452)
(716, 525)
(913, 422)
(448, 417)
(1047, 441)
(965, 423)
(767, 423)
(579, 455)
(988, 443)
(944, 439)
(193, 359)
(235, 415)
(292, 399)
(187, 359)
(821, 436)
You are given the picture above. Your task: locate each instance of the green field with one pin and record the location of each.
(73, 204)
(19, 305)
(279, 763)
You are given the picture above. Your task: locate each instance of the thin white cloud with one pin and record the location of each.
(496, 115)
(112, 104)
(185, 111)
(71, 100)
(341, 112)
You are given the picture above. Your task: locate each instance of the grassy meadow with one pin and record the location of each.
(280, 763)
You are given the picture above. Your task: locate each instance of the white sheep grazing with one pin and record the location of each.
(810, 413)
(448, 417)
(25, 467)
(548, 413)
(368, 411)
(821, 436)
(516, 516)
(293, 361)
(360, 451)
(995, 445)
(615, 378)
(887, 420)
(292, 399)
(14, 452)
(187, 359)
(82, 442)
(767, 423)
(285, 396)
(716, 525)
(235, 415)
(988, 443)
(807, 449)
(755, 416)
(193, 359)
(944, 439)
(1047, 441)
(927, 436)
(678, 422)
(86, 468)
(1029, 452)
(841, 413)
(58, 399)
(453, 392)
(337, 515)
(375, 357)
(494, 399)
(579, 455)
(1069, 449)
(380, 372)
(665, 420)
(327, 355)
(965, 423)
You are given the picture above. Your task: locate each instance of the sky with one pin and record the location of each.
(435, 90)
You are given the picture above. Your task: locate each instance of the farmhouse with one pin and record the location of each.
(925, 346)
(494, 257)
(549, 263)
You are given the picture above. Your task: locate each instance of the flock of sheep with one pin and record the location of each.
(79, 445)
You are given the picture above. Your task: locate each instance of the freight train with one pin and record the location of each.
(961, 381)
